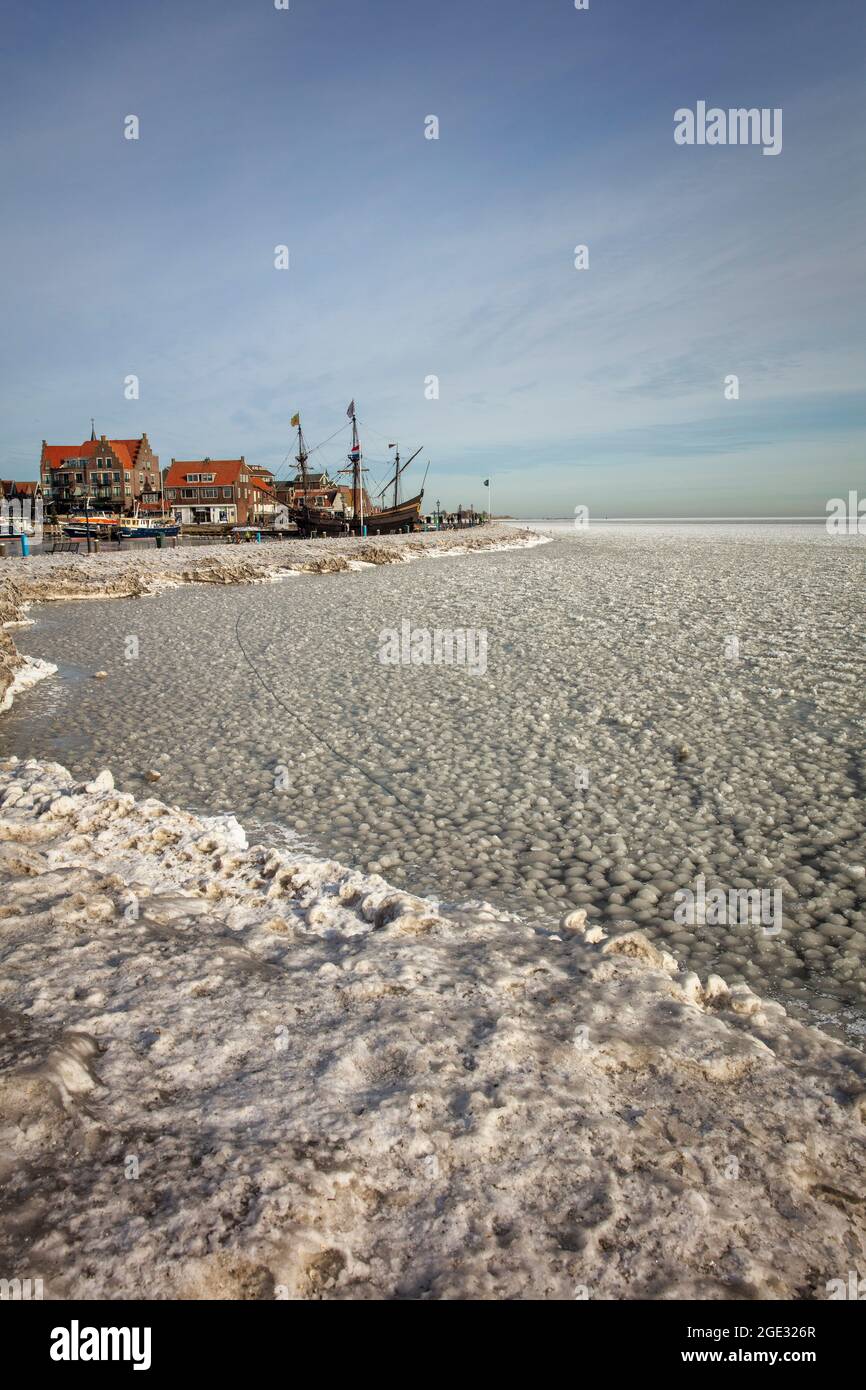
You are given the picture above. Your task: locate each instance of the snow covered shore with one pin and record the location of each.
(228, 1073)
(233, 1072)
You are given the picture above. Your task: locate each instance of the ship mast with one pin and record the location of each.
(357, 481)
(398, 469)
(302, 455)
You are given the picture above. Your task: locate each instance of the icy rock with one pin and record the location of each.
(638, 947)
(691, 987)
(744, 1000)
(103, 782)
(716, 988)
(574, 921)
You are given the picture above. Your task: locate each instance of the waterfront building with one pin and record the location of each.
(219, 492)
(116, 475)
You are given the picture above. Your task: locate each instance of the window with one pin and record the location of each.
(210, 491)
(207, 477)
(169, 493)
(116, 477)
(227, 492)
(126, 477)
(193, 477)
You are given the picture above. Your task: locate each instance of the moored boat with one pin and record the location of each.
(95, 525)
(400, 516)
(140, 528)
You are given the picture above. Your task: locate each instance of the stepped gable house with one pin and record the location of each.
(116, 474)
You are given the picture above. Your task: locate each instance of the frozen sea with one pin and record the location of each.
(656, 705)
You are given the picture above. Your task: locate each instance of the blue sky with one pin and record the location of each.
(413, 257)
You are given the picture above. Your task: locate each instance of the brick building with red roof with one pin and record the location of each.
(116, 474)
(218, 492)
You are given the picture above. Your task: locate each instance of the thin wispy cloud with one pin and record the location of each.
(452, 257)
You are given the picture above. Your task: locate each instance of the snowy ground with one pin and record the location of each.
(228, 1073)
(146, 569)
(252, 1073)
(658, 704)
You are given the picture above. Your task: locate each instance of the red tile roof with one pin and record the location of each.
(125, 449)
(129, 446)
(56, 454)
(8, 486)
(225, 471)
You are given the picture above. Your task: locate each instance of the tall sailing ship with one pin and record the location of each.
(380, 521)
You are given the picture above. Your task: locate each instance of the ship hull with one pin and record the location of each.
(117, 528)
(405, 516)
(80, 529)
(138, 533)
